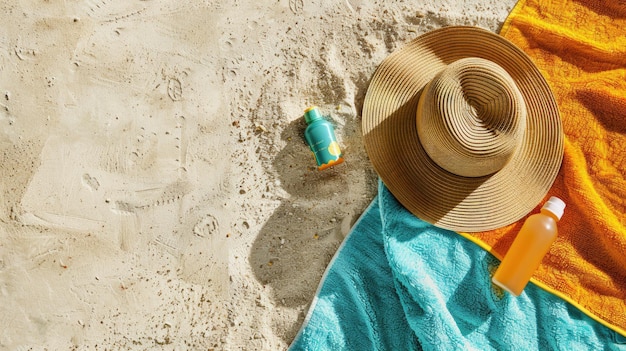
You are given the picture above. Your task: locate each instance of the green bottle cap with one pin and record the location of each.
(312, 114)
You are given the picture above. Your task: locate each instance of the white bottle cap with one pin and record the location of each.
(554, 205)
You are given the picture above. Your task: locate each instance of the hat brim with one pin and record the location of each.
(431, 193)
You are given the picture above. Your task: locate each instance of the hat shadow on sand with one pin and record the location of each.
(293, 248)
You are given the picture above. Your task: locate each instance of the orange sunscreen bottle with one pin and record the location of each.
(529, 247)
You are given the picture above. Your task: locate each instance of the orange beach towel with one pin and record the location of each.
(580, 46)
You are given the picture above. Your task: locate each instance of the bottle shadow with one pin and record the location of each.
(292, 250)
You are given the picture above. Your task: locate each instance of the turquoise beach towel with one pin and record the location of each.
(399, 283)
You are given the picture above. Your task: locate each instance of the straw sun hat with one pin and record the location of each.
(463, 129)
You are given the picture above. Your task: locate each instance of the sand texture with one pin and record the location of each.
(157, 192)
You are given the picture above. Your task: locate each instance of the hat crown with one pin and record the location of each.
(471, 117)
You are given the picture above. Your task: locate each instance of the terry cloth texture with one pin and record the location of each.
(399, 283)
(580, 47)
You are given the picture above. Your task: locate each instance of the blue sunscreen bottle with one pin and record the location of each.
(320, 135)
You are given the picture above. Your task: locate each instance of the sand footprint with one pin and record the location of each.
(204, 254)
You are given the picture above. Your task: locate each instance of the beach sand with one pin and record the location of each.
(157, 191)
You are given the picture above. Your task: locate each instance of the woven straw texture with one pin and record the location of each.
(505, 120)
